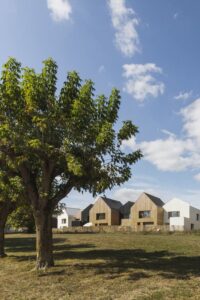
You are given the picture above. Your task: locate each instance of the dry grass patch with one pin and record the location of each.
(121, 266)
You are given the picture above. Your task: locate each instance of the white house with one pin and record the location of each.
(68, 215)
(180, 215)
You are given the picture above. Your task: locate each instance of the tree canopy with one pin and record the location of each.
(11, 195)
(60, 141)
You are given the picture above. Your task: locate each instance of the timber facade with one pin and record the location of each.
(147, 211)
(105, 211)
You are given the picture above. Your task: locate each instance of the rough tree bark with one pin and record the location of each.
(4, 212)
(42, 210)
(44, 244)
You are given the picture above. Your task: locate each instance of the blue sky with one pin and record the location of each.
(147, 49)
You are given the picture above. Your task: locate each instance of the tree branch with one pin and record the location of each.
(64, 191)
(30, 185)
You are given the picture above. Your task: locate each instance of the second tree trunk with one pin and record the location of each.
(44, 241)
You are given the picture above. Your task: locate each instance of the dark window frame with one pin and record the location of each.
(100, 216)
(144, 214)
(173, 214)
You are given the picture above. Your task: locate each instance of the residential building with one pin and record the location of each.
(67, 216)
(125, 210)
(180, 215)
(85, 214)
(147, 210)
(105, 211)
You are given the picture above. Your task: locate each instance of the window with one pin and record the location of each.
(144, 214)
(100, 216)
(197, 217)
(172, 214)
(63, 221)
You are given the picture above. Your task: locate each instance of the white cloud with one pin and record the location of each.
(183, 95)
(175, 153)
(130, 143)
(140, 83)
(101, 69)
(127, 194)
(191, 118)
(197, 177)
(169, 133)
(60, 9)
(170, 154)
(175, 16)
(125, 22)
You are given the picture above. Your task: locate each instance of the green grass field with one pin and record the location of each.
(104, 266)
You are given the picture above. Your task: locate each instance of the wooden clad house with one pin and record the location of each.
(105, 211)
(147, 210)
(125, 210)
(85, 214)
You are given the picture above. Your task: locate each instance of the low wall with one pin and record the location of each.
(110, 229)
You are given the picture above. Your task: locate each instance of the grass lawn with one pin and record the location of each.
(104, 266)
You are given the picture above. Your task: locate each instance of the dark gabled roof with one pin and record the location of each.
(157, 201)
(113, 204)
(126, 207)
(87, 208)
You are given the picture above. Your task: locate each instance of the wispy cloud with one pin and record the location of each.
(175, 153)
(101, 69)
(183, 95)
(175, 15)
(125, 22)
(60, 10)
(169, 133)
(140, 83)
(197, 177)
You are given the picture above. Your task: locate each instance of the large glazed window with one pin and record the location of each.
(64, 221)
(172, 214)
(144, 214)
(100, 216)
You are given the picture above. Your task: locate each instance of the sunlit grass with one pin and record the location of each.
(104, 266)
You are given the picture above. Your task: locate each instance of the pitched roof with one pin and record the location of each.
(87, 208)
(113, 204)
(126, 207)
(72, 211)
(157, 201)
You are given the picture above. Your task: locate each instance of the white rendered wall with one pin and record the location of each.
(64, 215)
(188, 215)
(176, 205)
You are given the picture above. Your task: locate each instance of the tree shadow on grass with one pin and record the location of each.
(20, 244)
(26, 244)
(134, 263)
(125, 261)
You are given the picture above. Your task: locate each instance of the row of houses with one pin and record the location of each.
(146, 211)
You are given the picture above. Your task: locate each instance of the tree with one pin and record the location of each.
(60, 142)
(11, 194)
(22, 217)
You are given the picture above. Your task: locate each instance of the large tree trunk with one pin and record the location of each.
(2, 250)
(44, 241)
(4, 211)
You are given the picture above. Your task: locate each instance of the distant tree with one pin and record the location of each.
(22, 217)
(60, 142)
(11, 194)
